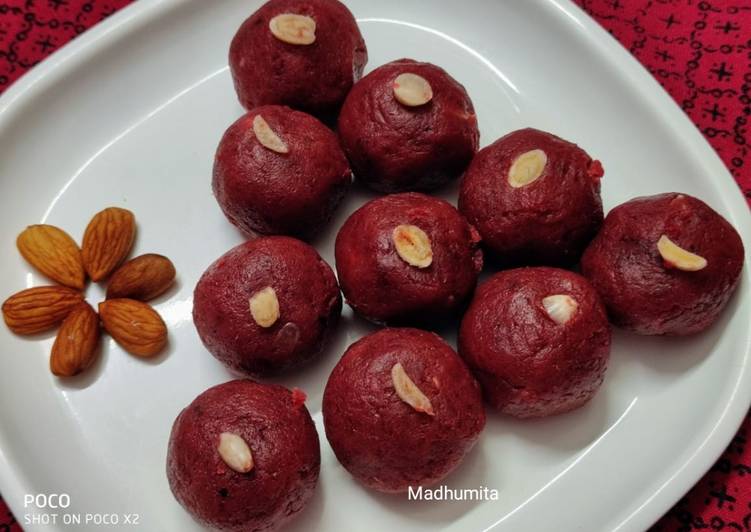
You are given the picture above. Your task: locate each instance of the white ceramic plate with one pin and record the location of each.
(130, 115)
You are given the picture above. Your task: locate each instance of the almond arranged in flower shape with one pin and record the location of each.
(107, 241)
(235, 452)
(143, 278)
(677, 257)
(408, 391)
(134, 325)
(75, 347)
(54, 253)
(38, 309)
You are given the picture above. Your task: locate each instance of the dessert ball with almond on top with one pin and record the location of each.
(266, 306)
(534, 198)
(401, 409)
(408, 126)
(665, 264)
(279, 171)
(306, 54)
(537, 339)
(407, 259)
(244, 456)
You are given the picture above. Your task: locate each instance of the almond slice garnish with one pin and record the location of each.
(677, 257)
(412, 90)
(560, 307)
(413, 245)
(526, 168)
(293, 29)
(235, 452)
(264, 307)
(267, 137)
(408, 391)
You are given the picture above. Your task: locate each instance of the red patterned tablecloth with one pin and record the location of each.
(700, 51)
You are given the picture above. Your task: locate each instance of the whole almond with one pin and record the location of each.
(107, 241)
(54, 253)
(75, 347)
(142, 278)
(134, 325)
(40, 308)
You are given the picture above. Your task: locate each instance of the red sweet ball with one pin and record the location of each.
(538, 341)
(273, 424)
(394, 146)
(534, 198)
(650, 291)
(390, 439)
(407, 258)
(308, 60)
(266, 306)
(279, 171)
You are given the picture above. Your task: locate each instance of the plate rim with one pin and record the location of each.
(675, 483)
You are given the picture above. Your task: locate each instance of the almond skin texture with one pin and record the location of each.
(142, 278)
(107, 241)
(37, 309)
(75, 347)
(54, 253)
(134, 325)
